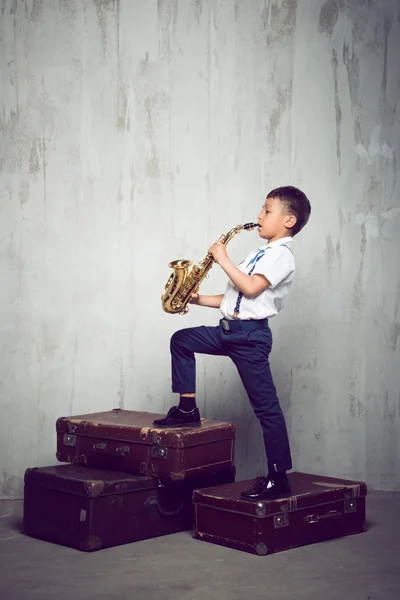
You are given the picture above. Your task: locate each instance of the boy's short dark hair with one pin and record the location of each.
(296, 203)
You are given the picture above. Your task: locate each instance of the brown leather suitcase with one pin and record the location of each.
(90, 509)
(125, 440)
(319, 508)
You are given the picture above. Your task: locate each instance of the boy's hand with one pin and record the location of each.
(218, 252)
(194, 299)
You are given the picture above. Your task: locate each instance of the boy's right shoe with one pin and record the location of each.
(268, 488)
(179, 418)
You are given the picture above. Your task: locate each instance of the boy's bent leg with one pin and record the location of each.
(184, 344)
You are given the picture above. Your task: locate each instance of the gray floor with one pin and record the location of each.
(365, 566)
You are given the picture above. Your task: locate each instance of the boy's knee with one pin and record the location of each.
(176, 338)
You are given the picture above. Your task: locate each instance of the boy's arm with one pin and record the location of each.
(210, 301)
(249, 285)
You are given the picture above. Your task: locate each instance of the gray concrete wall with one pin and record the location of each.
(136, 132)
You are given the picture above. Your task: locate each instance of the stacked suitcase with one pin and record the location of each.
(127, 481)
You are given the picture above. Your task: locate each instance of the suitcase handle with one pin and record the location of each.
(332, 514)
(101, 448)
(154, 503)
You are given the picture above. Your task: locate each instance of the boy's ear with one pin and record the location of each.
(290, 221)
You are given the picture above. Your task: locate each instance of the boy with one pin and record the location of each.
(255, 292)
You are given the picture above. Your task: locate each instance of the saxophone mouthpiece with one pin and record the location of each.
(250, 225)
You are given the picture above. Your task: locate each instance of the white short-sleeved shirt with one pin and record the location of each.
(277, 264)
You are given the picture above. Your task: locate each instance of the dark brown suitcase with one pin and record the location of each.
(319, 508)
(125, 440)
(90, 509)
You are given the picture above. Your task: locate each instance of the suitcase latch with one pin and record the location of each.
(158, 451)
(69, 440)
(122, 450)
(283, 519)
(350, 504)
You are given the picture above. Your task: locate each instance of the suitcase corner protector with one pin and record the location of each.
(93, 488)
(178, 476)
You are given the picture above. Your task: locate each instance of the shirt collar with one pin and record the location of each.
(285, 240)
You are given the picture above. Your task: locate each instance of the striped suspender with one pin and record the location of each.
(253, 261)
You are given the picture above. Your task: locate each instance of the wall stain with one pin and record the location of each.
(282, 101)
(352, 64)
(329, 253)
(338, 110)
(198, 7)
(34, 165)
(352, 406)
(372, 192)
(123, 118)
(394, 334)
(167, 11)
(11, 487)
(13, 8)
(319, 436)
(102, 7)
(44, 165)
(339, 254)
(69, 7)
(341, 220)
(152, 104)
(357, 287)
(386, 31)
(237, 10)
(278, 20)
(37, 11)
(398, 405)
(388, 113)
(23, 192)
(388, 414)
(329, 15)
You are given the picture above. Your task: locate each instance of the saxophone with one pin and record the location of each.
(182, 283)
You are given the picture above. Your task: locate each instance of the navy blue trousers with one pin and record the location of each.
(249, 350)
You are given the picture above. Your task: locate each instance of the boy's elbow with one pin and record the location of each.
(251, 292)
(254, 289)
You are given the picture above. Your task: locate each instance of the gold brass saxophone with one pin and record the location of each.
(182, 283)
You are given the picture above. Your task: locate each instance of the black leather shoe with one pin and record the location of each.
(268, 488)
(178, 418)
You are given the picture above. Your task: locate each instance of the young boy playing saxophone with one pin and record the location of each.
(256, 291)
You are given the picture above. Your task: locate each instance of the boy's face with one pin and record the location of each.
(274, 221)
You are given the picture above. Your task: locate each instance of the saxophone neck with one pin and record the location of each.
(228, 236)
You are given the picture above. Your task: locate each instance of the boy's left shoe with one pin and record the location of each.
(179, 418)
(268, 488)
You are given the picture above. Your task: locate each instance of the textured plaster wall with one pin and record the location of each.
(136, 132)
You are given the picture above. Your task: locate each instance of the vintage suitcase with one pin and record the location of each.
(90, 509)
(319, 508)
(124, 440)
